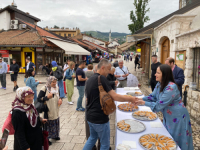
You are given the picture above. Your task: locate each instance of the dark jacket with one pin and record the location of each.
(111, 78)
(60, 71)
(25, 135)
(179, 77)
(15, 68)
(30, 65)
(115, 64)
(136, 60)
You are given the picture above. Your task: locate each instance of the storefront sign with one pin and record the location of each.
(180, 57)
(4, 53)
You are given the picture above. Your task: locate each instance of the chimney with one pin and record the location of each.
(14, 4)
(27, 13)
(47, 27)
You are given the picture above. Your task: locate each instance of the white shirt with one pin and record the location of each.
(65, 66)
(119, 71)
(27, 66)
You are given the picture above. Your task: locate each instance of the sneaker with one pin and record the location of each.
(81, 109)
(4, 88)
(50, 143)
(57, 139)
(70, 103)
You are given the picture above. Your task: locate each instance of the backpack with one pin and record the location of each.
(107, 103)
(58, 74)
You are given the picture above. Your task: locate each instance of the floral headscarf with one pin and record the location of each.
(52, 89)
(19, 104)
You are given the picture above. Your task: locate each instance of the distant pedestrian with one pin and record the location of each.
(137, 62)
(26, 121)
(155, 64)
(69, 82)
(15, 69)
(178, 73)
(115, 64)
(127, 57)
(58, 73)
(50, 95)
(29, 64)
(121, 74)
(89, 71)
(66, 66)
(112, 79)
(29, 80)
(3, 71)
(80, 78)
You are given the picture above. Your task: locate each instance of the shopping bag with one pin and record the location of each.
(8, 124)
(64, 87)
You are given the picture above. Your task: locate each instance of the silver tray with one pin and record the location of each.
(133, 94)
(154, 149)
(127, 111)
(134, 125)
(144, 118)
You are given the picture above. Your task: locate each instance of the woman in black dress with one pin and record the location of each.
(137, 62)
(26, 121)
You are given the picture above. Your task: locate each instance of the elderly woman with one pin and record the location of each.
(166, 98)
(69, 76)
(112, 79)
(89, 71)
(49, 94)
(26, 122)
(29, 80)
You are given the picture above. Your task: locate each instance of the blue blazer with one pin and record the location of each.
(179, 77)
(30, 65)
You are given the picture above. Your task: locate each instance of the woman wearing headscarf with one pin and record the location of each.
(26, 121)
(29, 80)
(49, 94)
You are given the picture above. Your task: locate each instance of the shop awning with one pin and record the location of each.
(70, 48)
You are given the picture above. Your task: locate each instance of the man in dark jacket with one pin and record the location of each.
(15, 69)
(177, 73)
(29, 64)
(112, 79)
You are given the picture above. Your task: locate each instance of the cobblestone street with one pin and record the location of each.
(72, 122)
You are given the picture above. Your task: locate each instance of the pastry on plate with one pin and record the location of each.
(127, 107)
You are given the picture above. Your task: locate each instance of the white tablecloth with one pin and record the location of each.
(122, 136)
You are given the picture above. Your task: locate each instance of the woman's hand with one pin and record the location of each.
(44, 121)
(73, 76)
(28, 149)
(140, 101)
(59, 102)
(50, 95)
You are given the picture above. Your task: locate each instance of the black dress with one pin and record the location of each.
(26, 136)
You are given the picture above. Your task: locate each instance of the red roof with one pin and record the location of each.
(84, 44)
(97, 46)
(20, 37)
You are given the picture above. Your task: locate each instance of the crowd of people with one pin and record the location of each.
(166, 83)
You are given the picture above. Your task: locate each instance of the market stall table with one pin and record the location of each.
(122, 136)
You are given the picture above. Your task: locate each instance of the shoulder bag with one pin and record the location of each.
(107, 103)
(124, 72)
(40, 106)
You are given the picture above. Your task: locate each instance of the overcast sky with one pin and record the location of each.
(100, 15)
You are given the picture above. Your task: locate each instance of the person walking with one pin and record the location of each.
(50, 95)
(15, 69)
(29, 64)
(26, 121)
(112, 79)
(3, 71)
(137, 62)
(166, 98)
(58, 73)
(69, 76)
(29, 80)
(178, 73)
(66, 66)
(155, 64)
(127, 58)
(121, 74)
(80, 79)
(99, 122)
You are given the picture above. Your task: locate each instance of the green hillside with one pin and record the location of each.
(121, 37)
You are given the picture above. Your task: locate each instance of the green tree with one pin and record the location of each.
(139, 17)
(56, 27)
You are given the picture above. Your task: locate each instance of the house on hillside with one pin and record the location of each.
(176, 35)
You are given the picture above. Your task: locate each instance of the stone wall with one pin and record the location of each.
(193, 105)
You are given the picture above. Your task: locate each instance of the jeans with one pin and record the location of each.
(61, 88)
(81, 90)
(3, 80)
(35, 95)
(98, 130)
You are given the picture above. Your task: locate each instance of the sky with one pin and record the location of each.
(90, 15)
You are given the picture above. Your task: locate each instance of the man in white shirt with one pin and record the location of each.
(29, 64)
(121, 74)
(66, 66)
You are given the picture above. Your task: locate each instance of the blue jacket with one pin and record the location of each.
(31, 83)
(179, 77)
(30, 65)
(69, 74)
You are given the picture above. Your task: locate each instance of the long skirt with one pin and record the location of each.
(53, 127)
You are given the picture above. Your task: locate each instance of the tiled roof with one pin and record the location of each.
(96, 39)
(20, 37)
(84, 44)
(95, 45)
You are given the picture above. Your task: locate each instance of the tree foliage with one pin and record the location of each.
(139, 17)
(56, 27)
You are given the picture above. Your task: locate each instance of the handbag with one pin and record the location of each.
(40, 106)
(8, 125)
(107, 103)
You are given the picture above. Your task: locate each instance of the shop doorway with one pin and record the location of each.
(28, 55)
(165, 50)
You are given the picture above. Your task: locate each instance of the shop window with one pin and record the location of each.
(16, 56)
(69, 35)
(65, 35)
(196, 67)
(39, 62)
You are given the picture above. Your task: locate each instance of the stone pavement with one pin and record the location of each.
(72, 123)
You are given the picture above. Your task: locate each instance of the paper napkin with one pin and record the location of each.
(132, 144)
(156, 124)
